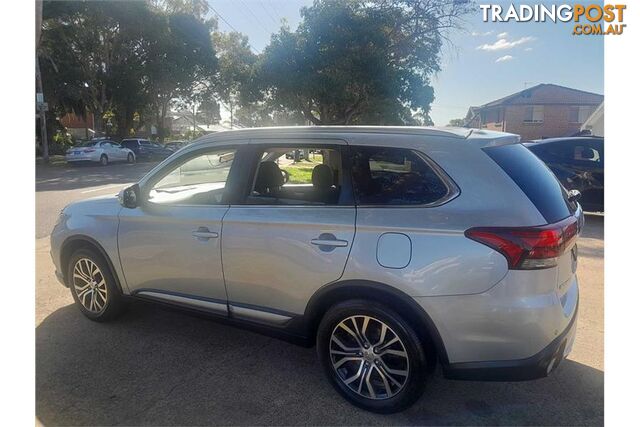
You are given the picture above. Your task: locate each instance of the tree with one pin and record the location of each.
(360, 61)
(456, 122)
(234, 84)
(183, 62)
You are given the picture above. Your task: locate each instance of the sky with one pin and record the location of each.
(486, 61)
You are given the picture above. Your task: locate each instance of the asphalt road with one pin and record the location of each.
(162, 367)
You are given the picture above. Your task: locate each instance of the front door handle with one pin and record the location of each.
(203, 233)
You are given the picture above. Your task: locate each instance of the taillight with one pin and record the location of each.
(529, 248)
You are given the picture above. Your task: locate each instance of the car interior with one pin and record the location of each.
(310, 177)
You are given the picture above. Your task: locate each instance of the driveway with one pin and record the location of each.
(163, 367)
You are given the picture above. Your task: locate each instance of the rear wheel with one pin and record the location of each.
(372, 356)
(104, 160)
(93, 287)
(131, 158)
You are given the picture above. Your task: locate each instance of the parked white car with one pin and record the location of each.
(102, 151)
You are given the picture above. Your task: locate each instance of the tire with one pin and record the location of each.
(104, 160)
(131, 158)
(109, 302)
(404, 361)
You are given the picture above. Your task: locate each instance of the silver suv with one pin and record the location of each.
(391, 249)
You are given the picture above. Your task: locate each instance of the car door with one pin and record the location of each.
(281, 242)
(170, 244)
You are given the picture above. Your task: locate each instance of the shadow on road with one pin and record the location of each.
(158, 366)
(72, 177)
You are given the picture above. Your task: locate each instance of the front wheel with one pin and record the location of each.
(372, 356)
(93, 287)
(130, 158)
(104, 160)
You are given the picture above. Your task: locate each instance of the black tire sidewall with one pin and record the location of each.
(115, 302)
(104, 162)
(130, 158)
(418, 365)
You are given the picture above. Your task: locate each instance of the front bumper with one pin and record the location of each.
(537, 366)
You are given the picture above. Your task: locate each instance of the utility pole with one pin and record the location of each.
(40, 104)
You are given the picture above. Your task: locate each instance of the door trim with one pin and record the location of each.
(210, 304)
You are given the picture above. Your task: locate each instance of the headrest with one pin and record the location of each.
(269, 177)
(322, 177)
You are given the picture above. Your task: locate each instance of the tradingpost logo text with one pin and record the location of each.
(587, 19)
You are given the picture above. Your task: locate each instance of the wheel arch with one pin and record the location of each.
(402, 303)
(74, 243)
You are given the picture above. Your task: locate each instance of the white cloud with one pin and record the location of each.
(504, 58)
(529, 49)
(476, 34)
(503, 35)
(502, 44)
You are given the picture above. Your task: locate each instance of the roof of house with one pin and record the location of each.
(515, 98)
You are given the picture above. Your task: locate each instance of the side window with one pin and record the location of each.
(297, 176)
(200, 180)
(393, 176)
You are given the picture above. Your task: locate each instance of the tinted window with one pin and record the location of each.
(393, 176)
(534, 179)
(130, 143)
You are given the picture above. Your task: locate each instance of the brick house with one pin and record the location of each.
(541, 111)
(79, 127)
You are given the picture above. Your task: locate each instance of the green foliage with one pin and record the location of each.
(456, 122)
(358, 62)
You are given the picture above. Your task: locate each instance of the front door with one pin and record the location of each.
(170, 245)
(292, 233)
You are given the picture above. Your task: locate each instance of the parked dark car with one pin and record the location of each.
(578, 162)
(145, 149)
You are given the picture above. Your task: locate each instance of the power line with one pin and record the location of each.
(256, 18)
(231, 26)
(268, 13)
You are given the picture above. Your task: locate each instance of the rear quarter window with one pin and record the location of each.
(393, 176)
(534, 178)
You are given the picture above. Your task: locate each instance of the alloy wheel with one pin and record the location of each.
(89, 285)
(369, 357)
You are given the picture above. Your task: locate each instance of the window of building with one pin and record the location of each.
(198, 181)
(534, 114)
(579, 114)
(393, 176)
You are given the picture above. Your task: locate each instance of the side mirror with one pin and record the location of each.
(129, 196)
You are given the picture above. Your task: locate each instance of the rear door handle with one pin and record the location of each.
(327, 242)
(330, 242)
(203, 233)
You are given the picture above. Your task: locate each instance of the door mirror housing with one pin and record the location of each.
(574, 195)
(588, 154)
(130, 196)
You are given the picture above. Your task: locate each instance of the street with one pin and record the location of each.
(159, 366)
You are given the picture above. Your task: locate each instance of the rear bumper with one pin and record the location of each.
(537, 366)
(82, 158)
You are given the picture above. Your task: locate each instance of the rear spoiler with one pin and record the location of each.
(483, 138)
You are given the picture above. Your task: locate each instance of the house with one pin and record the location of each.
(77, 126)
(542, 111)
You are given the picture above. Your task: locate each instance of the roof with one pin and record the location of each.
(479, 137)
(588, 97)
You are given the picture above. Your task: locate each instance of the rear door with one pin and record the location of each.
(283, 240)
